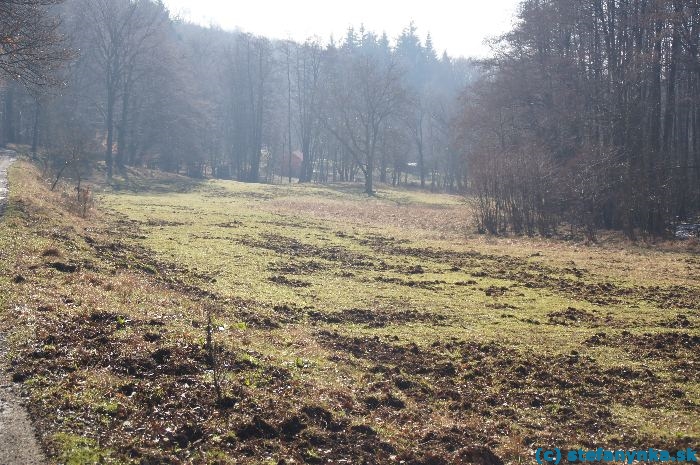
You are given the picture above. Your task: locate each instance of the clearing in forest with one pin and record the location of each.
(220, 322)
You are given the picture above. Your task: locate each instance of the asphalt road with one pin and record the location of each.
(18, 443)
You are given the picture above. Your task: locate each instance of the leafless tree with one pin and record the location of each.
(366, 92)
(307, 96)
(121, 32)
(31, 46)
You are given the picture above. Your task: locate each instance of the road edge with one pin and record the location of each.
(19, 443)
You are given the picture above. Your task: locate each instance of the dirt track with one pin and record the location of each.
(5, 162)
(18, 444)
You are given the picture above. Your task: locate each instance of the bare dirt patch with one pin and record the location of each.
(567, 281)
(572, 316)
(283, 245)
(291, 282)
(479, 379)
(290, 313)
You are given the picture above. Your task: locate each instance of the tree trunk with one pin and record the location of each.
(369, 185)
(110, 132)
(121, 135)
(8, 116)
(35, 129)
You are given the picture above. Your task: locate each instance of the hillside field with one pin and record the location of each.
(219, 322)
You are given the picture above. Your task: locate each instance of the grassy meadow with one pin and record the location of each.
(219, 322)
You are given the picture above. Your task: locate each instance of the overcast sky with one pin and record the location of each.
(460, 26)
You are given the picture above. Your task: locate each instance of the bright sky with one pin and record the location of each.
(460, 26)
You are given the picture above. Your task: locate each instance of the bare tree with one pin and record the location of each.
(366, 91)
(119, 31)
(308, 92)
(31, 47)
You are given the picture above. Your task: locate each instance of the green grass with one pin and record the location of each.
(185, 228)
(385, 314)
(76, 450)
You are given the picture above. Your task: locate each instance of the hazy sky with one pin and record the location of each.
(460, 26)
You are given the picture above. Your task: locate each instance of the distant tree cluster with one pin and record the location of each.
(147, 90)
(588, 115)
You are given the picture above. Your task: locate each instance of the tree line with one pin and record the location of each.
(586, 116)
(146, 89)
